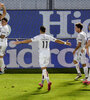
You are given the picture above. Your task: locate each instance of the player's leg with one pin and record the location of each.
(2, 53)
(88, 80)
(76, 63)
(78, 70)
(44, 61)
(1, 64)
(45, 77)
(85, 68)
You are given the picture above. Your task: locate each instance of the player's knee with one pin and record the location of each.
(84, 65)
(75, 62)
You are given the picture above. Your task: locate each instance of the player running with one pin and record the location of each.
(78, 55)
(44, 51)
(87, 47)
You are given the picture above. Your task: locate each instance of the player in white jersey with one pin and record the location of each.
(44, 51)
(3, 42)
(87, 47)
(80, 57)
(1, 36)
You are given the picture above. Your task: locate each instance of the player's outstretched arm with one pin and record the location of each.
(22, 42)
(2, 6)
(62, 42)
(78, 46)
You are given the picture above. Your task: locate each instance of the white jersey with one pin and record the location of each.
(43, 41)
(0, 27)
(4, 31)
(82, 37)
(88, 36)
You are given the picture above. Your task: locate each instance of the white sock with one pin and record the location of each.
(85, 71)
(42, 79)
(45, 73)
(2, 65)
(78, 68)
(89, 76)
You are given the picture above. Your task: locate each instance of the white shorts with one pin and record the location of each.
(80, 57)
(3, 47)
(44, 58)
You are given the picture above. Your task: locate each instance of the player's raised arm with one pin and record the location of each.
(22, 42)
(62, 42)
(2, 6)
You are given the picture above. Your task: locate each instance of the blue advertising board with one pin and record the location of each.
(60, 24)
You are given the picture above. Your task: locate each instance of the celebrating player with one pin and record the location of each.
(3, 42)
(87, 47)
(2, 37)
(44, 51)
(78, 55)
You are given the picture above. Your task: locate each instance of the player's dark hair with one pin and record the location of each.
(0, 14)
(5, 19)
(42, 28)
(79, 25)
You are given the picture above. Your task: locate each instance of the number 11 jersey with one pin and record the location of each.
(43, 41)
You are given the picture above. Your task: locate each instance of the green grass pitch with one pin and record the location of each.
(25, 87)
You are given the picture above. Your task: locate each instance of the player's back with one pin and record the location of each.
(43, 41)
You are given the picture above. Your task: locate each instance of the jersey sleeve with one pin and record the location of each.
(35, 39)
(80, 38)
(52, 38)
(88, 36)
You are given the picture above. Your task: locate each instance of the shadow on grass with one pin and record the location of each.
(29, 96)
(37, 92)
(69, 83)
(81, 91)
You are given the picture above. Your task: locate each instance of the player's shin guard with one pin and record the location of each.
(85, 71)
(78, 68)
(45, 73)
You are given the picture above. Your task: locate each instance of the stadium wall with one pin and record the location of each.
(59, 23)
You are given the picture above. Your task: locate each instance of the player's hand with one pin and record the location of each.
(68, 43)
(1, 5)
(74, 52)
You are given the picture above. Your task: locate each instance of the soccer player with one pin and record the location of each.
(44, 51)
(87, 47)
(80, 57)
(1, 35)
(3, 43)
